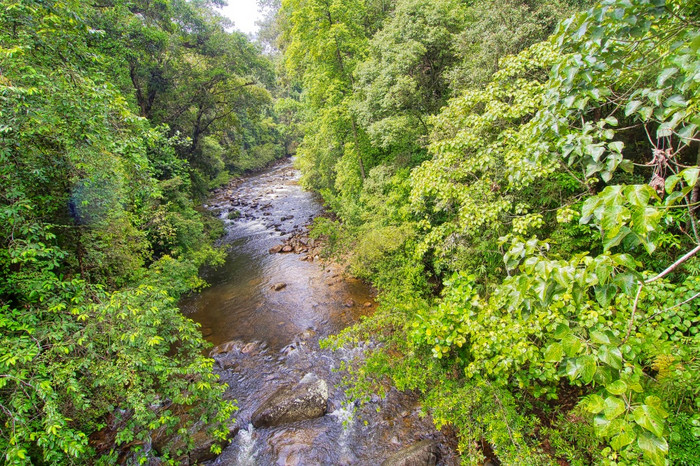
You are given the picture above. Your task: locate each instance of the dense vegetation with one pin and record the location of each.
(519, 178)
(116, 117)
(520, 181)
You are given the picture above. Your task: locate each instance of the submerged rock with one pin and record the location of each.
(279, 286)
(292, 447)
(423, 453)
(308, 399)
(237, 346)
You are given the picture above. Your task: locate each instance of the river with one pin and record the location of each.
(267, 311)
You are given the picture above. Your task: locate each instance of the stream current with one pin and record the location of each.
(267, 311)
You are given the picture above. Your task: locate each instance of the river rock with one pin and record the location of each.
(226, 347)
(287, 248)
(308, 399)
(276, 249)
(291, 447)
(237, 346)
(423, 453)
(279, 286)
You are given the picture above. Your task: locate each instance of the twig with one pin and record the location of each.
(503, 412)
(672, 307)
(667, 271)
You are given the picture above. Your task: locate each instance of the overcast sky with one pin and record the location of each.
(243, 13)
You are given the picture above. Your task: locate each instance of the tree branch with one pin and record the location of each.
(667, 271)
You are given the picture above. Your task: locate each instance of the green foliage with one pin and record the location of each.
(683, 448)
(324, 41)
(181, 68)
(402, 81)
(80, 360)
(112, 116)
(498, 28)
(551, 229)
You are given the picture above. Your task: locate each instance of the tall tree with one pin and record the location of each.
(324, 40)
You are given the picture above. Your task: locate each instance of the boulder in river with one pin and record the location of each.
(308, 399)
(276, 249)
(423, 453)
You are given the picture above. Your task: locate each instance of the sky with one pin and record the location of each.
(243, 13)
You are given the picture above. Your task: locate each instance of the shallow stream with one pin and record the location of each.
(267, 312)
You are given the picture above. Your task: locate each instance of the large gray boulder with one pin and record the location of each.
(423, 453)
(308, 399)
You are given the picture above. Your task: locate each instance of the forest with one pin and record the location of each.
(519, 180)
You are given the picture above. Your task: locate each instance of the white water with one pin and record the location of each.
(247, 452)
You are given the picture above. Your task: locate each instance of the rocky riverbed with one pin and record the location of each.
(267, 309)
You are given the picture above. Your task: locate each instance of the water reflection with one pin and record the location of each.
(241, 302)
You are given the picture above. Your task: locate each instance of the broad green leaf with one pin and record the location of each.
(613, 407)
(690, 175)
(603, 270)
(573, 368)
(611, 356)
(676, 101)
(688, 131)
(554, 352)
(665, 74)
(594, 403)
(588, 369)
(596, 152)
(618, 387)
(601, 425)
(604, 294)
(599, 337)
(664, 130)
(656, 402)
(621, 440)
(671, 182)
(616, 146)
(632, 107)
(561, 331)
(612, 241)
(654, 448)
(604, 375)
(626, 260)
(613, 218)
(627, 165)
(588, 208)
(572, 345)
(650, 418)
(645, 219)
(638, 195)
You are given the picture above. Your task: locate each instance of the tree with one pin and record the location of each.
(99, 234)
(403, 80)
